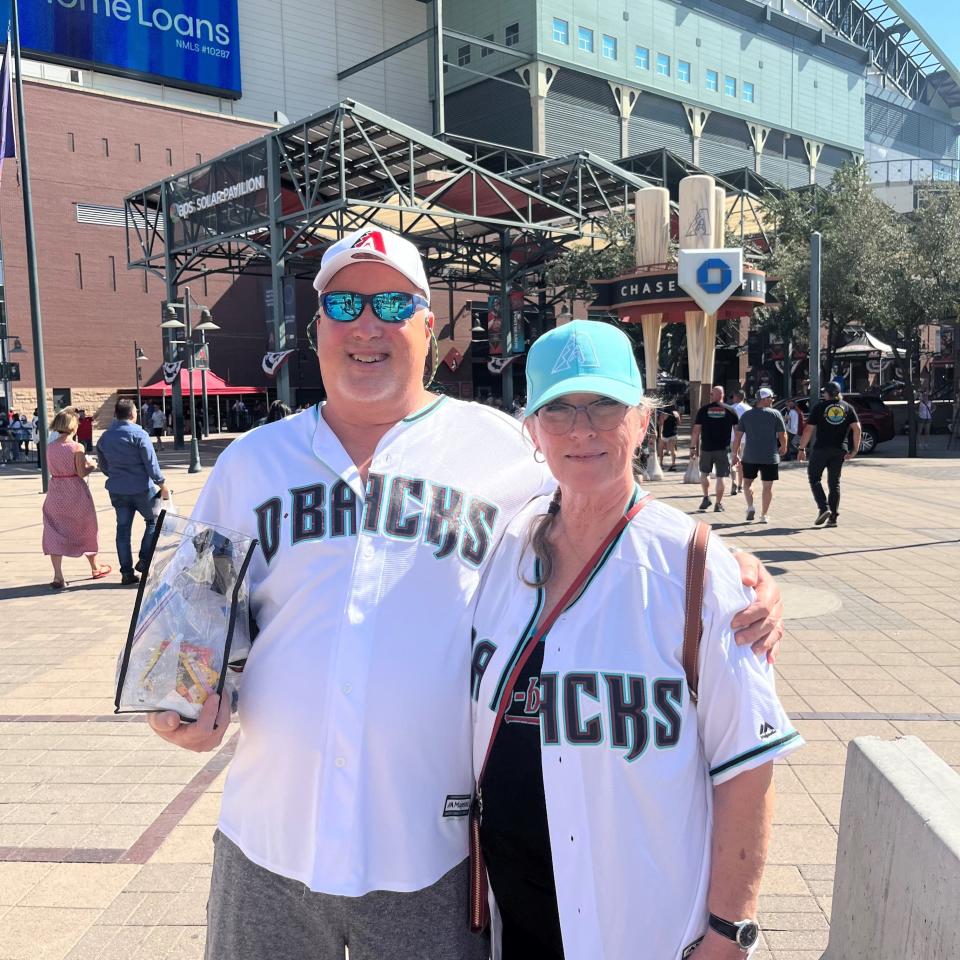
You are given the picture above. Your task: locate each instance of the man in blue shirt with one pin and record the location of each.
(133, 475)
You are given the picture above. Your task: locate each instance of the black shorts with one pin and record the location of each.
(767, 471)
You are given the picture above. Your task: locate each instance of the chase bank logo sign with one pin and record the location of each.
(710, 277)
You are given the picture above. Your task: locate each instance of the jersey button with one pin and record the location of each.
(347, 688)
(341, 761)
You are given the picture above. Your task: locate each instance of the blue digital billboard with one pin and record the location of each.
(185, 43)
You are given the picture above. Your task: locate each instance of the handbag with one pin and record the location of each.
(692, 634)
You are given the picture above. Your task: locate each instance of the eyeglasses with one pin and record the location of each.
(393, 306)
(558, 418)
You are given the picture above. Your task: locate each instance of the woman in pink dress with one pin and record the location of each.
(69, 516)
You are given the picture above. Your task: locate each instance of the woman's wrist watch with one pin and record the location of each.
(744, 933)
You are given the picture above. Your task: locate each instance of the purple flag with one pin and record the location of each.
(8, 147)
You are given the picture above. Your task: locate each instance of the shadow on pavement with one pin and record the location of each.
(73, 586)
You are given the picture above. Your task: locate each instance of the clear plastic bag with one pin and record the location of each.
(190, 631)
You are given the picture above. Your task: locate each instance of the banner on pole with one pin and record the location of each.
(499, 364)
(8, 147)
(171, 370)
(273, 360)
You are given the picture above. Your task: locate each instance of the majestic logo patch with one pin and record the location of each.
(457, 805)
(766, 731)
(578, 349)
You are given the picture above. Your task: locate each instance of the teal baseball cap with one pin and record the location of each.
(583, 356)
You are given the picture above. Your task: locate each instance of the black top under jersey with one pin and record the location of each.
(832, 418)
(716, 420)
(514, 834)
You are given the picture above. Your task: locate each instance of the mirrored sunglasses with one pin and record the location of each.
(395, 306)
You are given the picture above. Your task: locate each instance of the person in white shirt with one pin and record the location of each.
(344, 815)
(625, 793)
(741, 406)
(925, 418)
(791, 418)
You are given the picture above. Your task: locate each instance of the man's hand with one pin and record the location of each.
(164, 492)
(849, 456)
(760, 624)
(203, 735)
(801, 454)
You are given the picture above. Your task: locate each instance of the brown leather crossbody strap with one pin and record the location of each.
(693, 605)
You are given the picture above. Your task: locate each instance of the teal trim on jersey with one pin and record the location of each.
(541, 596)
(755, 752)
(426, 411)
(528, 632)
(606, 553)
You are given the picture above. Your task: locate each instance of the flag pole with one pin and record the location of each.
(35, 321)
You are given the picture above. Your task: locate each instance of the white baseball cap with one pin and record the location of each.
(377, 245)
(765, 393)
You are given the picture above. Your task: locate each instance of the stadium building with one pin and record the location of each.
(626, 93)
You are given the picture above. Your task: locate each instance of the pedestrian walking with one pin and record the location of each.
(793, 420)
(157, 424)
(668, 420)
(134, 482)
(85, 430)
(739, 403)
(69, 515)
(925, 420)
(765, 435)
(834, 427)
(20, 434)
(344, 817)
(710, 442)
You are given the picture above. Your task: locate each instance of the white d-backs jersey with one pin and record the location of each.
(628, 761)
(353, 767)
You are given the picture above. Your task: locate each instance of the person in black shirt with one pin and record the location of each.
(668, 420)
(710, 441)
(832, 419)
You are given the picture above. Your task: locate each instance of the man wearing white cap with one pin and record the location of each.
(344, 816)
(766, 443)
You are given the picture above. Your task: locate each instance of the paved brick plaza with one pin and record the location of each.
(105, 830)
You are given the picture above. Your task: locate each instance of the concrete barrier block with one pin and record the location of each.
(896, 893)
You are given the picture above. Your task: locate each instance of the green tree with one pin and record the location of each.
(925, 277)
(859, 235)
(608, 255)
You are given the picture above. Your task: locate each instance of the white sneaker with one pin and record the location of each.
(763, 518)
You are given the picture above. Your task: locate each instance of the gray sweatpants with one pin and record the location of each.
(253, 914)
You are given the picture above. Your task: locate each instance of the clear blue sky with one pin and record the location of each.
(940, 20)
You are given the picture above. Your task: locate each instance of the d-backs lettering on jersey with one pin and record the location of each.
(400, 508)
(623, 711)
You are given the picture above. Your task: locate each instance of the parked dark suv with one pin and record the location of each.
(876, 420)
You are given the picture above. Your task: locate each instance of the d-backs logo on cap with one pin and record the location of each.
(578, 348)
(372, 239)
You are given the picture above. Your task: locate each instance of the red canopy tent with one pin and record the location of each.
(216, 386)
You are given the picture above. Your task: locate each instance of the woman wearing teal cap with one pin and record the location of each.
(623, 742)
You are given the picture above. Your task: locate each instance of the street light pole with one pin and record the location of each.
(194, 441)
(206, 323)
(203, 384)
(139, 355)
